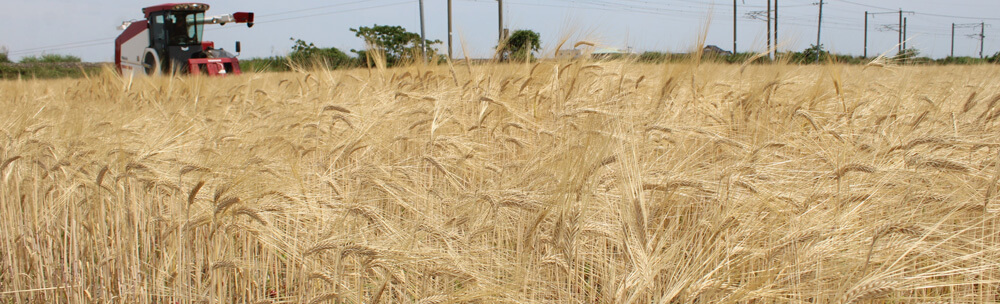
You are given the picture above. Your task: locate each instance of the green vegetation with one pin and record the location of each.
(908, 54)
(738, 58)
(45, 66)
(50, 58)
(261, 64)
(809, 56)
(308, 54)
(995, 58)
(814, 53)
(400, 47)
(394, 42)
(48, 70)
(521, 45)
(266, 64)
(962, 60)
(304, 55)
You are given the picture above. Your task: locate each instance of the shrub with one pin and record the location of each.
(995, 58)
(50, 58)
(307, 54)
(265, 64)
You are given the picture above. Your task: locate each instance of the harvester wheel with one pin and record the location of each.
(149, 64)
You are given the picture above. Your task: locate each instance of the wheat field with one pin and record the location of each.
(552, 182)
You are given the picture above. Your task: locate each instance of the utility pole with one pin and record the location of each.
(883, 28)
(982, 38)
(449, 29)
(734, 27)
(423, 37)
(900, 45)
(981, 35)
(819, 28)
(866, 34)
(768, 28)
(904, 34)
(500, 7)
(775, 29)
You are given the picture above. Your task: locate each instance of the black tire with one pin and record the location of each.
(149, 64)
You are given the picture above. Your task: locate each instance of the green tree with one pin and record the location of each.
(521, 45)
(908, 54)
(810, 55)
(814, 53)
(395, 42)
(307, 54)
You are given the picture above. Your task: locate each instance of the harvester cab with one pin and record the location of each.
(170, 40)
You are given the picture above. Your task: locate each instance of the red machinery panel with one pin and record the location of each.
(215, 66)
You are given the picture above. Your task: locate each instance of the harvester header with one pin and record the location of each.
(170, 40)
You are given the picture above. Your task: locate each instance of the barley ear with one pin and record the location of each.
(100, 175)
(194, 192)
(8, 161)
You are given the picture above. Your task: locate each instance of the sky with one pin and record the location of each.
(87, 29)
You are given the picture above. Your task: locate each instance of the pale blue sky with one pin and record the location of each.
(87, 28)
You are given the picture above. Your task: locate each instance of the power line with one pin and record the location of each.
(75, 46)
(981, 36)
(957, 17)
(313, 8)
(338, 12)
(62, 46)
(711, 4)
(865, 5)
(920, 13)
(102, 41)
(661, 12)
(630, 8)
(689, 10)
(93, 42)
(627, 7)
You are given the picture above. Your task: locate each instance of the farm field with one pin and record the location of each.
(555, 182)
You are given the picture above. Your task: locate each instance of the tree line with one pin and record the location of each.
(391, 45)
(814, 54)
(394, 46)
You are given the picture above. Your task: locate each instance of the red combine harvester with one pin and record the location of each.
(169, 40)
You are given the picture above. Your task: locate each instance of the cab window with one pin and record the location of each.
(157, 31)
(184, 28)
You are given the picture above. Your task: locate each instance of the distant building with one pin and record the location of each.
(612, 53)
(597, 53)
(715, 50)
(568, 54)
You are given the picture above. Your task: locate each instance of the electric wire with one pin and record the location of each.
(106, 40)
(689, 10)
